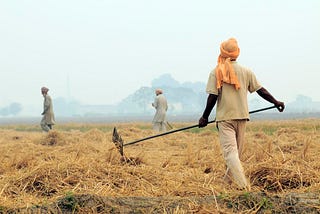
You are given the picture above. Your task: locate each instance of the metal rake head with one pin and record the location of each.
(117, 140)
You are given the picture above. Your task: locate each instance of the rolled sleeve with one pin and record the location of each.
(212, 84)
(254, 84)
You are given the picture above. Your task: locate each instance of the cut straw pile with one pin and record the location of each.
(38, 168)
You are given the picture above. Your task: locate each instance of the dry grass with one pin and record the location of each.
(39, 168)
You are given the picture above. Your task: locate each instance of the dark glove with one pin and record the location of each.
(280, 106)
(203, 122)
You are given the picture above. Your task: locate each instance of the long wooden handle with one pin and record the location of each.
(188, 127)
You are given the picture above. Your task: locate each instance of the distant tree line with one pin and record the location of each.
(12, 109)
(183, 98)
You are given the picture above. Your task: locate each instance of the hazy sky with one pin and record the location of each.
(100, 51)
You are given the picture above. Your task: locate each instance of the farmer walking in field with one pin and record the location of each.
(48, 116)
(228, 85)
(161, 106)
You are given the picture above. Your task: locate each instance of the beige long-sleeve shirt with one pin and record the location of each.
(47, 113)
(161, 106)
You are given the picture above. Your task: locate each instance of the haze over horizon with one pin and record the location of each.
(100, 51)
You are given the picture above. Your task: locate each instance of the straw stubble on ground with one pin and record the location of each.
(76, 167)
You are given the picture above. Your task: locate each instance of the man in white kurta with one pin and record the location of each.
(48, 116)
(161, 106)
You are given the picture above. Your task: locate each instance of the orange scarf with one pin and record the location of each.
(224, 71)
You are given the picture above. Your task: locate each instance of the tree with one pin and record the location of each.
(13, 109)
(165, 80)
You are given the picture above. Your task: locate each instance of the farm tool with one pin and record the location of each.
(117, 140)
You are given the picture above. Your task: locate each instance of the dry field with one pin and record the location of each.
(77, 169)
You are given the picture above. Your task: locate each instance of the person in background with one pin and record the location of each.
(48, 116)
(161, 106)
(228, 85)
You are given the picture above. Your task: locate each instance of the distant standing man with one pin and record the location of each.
(228, 85)
(48, 116)
(161, 106)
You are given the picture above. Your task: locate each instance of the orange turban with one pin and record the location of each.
(224, 71)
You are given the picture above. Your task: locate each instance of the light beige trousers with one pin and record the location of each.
(159, 126)
(231, 137)
(44, 125)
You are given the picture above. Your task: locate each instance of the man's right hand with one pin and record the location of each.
(202, 122)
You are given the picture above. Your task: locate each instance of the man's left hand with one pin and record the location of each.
(280, 106)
